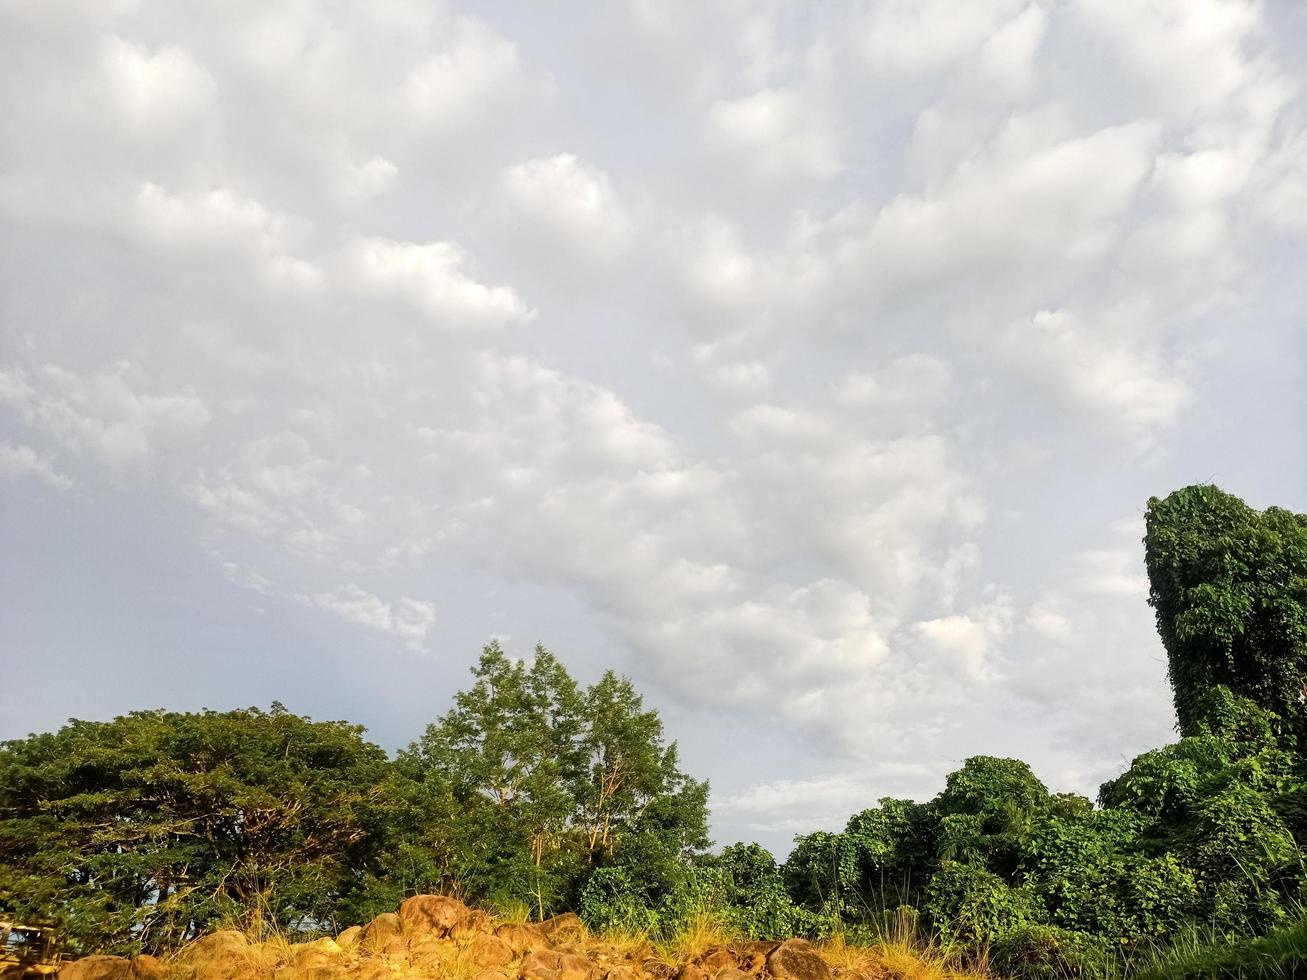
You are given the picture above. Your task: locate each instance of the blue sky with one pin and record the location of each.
(811, 364)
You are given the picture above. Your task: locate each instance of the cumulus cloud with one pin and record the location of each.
(786, 360)
(573, 201)
(433, 279)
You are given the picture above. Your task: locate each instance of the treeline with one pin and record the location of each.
(535, 793)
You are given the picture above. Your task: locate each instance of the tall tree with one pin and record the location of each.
(1229, 586)
(142, 831)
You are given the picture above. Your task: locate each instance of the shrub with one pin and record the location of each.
(971, 907)
(1040, 952)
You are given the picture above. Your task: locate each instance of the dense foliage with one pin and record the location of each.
(534, 791)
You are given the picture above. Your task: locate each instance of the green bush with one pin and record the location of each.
(1040, 952)
(970, 907)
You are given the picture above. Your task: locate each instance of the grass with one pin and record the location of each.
(1279, 955)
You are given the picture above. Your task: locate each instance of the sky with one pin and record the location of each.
(812, 364)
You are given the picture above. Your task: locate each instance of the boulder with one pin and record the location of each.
(492, 975)
(731, 973)
(432, 914)
(432, 955)
(349, 937)
(489, 951)
(380, 931)
(751, 956)
(690, 971)
(565, 927)
(656, 968)
(215, 942)
(624, 971)
(523, 937)
(476, 922)
(796, 959)
(98, 968)
(146, 967)
(550, 964)
(716, 958)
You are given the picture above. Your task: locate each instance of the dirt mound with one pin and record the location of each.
(434, 937)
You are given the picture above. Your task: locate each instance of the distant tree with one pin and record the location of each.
(552, 781)
(143, 831)
(1229, 586)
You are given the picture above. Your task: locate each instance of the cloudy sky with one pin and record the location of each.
(811, 363)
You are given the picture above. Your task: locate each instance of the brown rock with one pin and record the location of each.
(523, 937)
(797, 960)
(432, 955)
(349, 937)
(146, 967)
(490, 951)
(476, 922)
(492, 975)
(98, 968)
(689, 971)
(380, 931)
(216, 942)
(373, 970)
(550, 964)
(624, 971)
(656, 968)
(567, 926)
(731, 973)
(432, 914)
(716, 958)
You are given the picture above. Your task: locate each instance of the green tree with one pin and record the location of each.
(143, 831)
(549, 781)
(1229, 586)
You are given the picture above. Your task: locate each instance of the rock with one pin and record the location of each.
(432, 955)
(716, 958)
(797, 960)
(657, 969)
(373, 970)
(349, 937)
(476, 922)
(567, 926)
(492, 975)
(319, 971)
(146, 967)
(432, 914)
(216, 942)
(523, 937)
(731, 973)
(490, 951)
(550, 964)
(98, 968)
(751, 955)
(690, 971)
(624, 971)
(380, 931)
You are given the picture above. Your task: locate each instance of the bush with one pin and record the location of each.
(1037, 952)
(971, 907)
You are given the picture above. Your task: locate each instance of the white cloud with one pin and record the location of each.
(18, 462)
(913, 37)
(431, 277)
(223, 220)
(448, 87)
(573, 201)
(407, 620)
(778, 133)
(154, 90)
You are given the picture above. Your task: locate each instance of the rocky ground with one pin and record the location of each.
(433, 936)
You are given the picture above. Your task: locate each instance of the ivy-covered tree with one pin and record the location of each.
(1229, 586)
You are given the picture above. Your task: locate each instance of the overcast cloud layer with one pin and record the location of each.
(810, 363)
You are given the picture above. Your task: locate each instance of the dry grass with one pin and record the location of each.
(703, 932)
